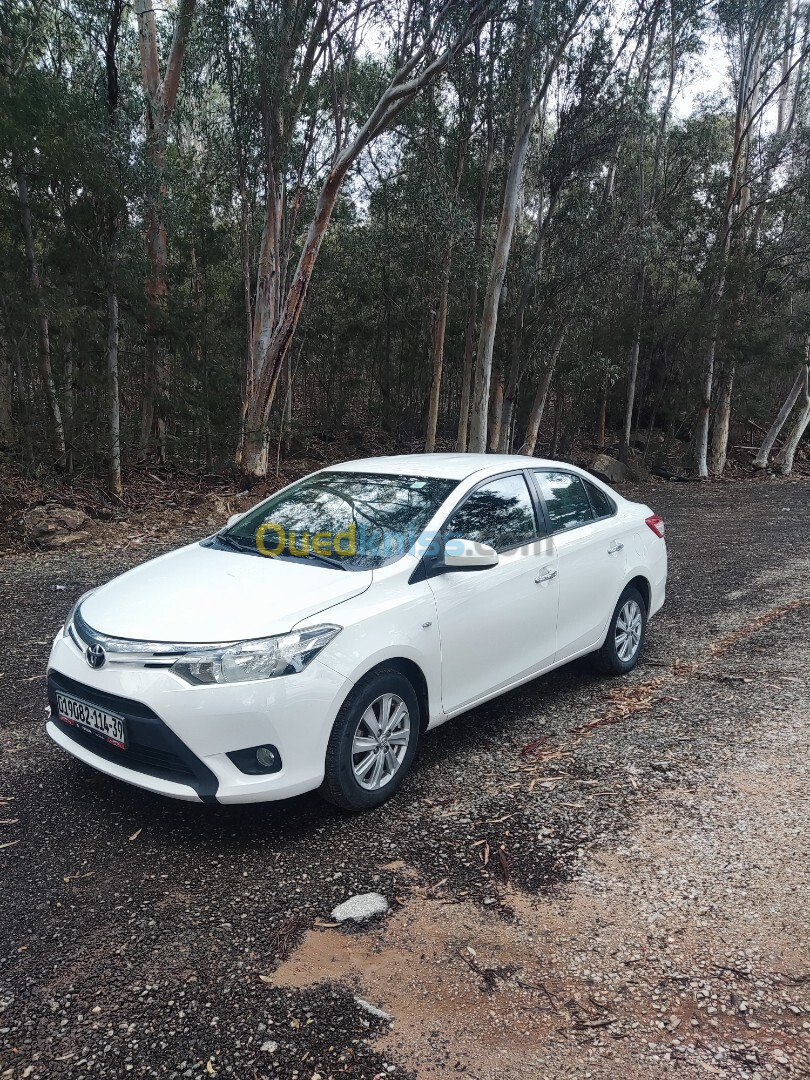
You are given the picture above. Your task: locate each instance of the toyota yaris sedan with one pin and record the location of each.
(311, 642)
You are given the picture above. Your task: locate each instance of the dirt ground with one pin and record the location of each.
(588, 878)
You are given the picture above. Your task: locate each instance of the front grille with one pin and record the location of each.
(153, 748)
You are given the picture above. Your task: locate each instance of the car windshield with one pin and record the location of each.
(347, 520)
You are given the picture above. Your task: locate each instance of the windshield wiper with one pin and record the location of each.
(337, 564)
(232, 542)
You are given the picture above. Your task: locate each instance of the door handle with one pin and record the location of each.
(615, 547)
(545, 575)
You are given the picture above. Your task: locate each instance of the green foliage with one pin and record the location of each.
(361, 359)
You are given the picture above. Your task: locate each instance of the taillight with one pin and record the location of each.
(656, 523)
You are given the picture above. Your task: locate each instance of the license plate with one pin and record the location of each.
(90, 718)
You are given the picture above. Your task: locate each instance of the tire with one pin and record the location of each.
(614, 658)
(360, 779)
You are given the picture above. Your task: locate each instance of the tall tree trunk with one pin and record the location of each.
(113, 406)
(602, 417)
(761, 460)
(440, 325)
(530, 277)
(56, 430)
(438, 349)
(785, 459)
(746, 107)
(530, 103)
(405, 86)
(68, 396)
(527, 113)
(6, 393)
(646, 201)
(472, 301)
(541, 395)
(496, 412)
(722, 422)
(20, 390)
(161, 98)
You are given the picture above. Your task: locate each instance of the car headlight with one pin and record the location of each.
(72, 612)
(265, 658)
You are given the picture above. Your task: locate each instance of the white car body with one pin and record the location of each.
(461, 638)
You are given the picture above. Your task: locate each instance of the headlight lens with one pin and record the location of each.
(73, 610)
(265, 658)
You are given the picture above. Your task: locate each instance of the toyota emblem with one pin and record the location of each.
(95, 656)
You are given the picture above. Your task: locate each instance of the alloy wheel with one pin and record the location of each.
(380, 741)
(629, 626)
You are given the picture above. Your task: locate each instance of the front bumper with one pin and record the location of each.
(180, 735)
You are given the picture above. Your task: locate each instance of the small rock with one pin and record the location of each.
(361, 908)
(269, 1046)
(366, 1006)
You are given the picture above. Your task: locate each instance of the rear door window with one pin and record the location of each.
(602, 505)
(567, 502)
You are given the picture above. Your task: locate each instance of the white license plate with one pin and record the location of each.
(90, 718)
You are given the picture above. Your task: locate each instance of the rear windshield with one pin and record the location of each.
(349, 520)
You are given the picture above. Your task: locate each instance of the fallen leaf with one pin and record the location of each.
(135, 836)
(209, 1068)
(10, 843)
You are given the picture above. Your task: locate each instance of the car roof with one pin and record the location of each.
(448, 466)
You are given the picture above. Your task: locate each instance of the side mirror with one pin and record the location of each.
(468, 555)
(232, 520)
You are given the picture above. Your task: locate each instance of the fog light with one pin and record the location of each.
(256, 760)
(265, 757)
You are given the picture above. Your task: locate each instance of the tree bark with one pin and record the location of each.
(761, 460)
(541, 395)
(406, 85)
(56, 430)
(722, 421)
(161, 98)
(530, 276)
(788, 452)
(527, 113)
(113, 406)
(496, 412)
(747, 91)
(438, 350)
(529, 107)
(472, 302)
(6, 416)
(440, 326)
(602, 417)
(68, 397)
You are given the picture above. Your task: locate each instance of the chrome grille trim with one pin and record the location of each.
(130, 651)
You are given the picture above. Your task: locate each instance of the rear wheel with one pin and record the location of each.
(373, 742)
(625, 637)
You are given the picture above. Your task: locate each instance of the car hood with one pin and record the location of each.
(205, 594)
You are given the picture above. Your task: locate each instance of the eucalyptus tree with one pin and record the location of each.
(763, 63)
(160, 96)
(547, 36)
(301, 46)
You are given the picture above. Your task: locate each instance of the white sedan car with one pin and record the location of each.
(312, 641)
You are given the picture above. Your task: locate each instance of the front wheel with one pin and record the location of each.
(625, 636)
(373, 742)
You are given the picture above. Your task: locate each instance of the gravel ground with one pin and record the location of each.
(587, 877)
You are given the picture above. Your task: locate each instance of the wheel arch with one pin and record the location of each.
(641, 583)
(411, 671)
(416, 677)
